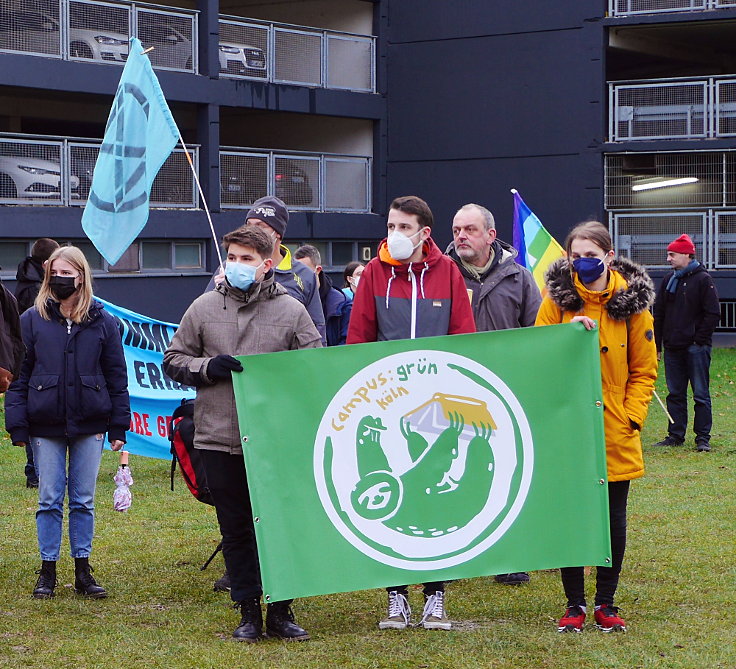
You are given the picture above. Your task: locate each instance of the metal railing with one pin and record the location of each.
(633, 7)
(86, 30)
(644, 236)
(306, 181)
(44, 170)
(728, 316)
(296, 55)
(58, 171)
(672, 109)
(99, 31)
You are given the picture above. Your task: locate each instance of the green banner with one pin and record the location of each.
(423, 460)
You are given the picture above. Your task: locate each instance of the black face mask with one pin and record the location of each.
(62, 287)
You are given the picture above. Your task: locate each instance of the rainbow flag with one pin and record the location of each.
(537, 248)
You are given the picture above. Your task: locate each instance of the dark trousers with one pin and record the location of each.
(30, 468)
(429, 588)
(573, 578)
(691, 364)
(228, 483)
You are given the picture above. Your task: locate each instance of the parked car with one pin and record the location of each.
(30, 31)
(242, 59)
(37, 32)
(291, 185)
(98, 45)
(172, 47)
(32, 178)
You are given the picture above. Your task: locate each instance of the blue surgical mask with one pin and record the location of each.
(588, 269)
(241, 276)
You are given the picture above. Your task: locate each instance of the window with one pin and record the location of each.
(156, 255)
(128, 262)
(187, 256)
(11, 253)
(91, 253)
(335, 255)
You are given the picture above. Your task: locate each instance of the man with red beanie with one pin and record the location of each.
(686, 313)
(410, 290)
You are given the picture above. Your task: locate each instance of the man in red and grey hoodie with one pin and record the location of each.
(410, 290)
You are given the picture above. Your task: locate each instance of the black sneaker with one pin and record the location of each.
(516, 578)
(280, 623)
(702, 446)
(670, 441)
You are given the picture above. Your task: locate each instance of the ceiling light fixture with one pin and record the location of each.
(665, 183)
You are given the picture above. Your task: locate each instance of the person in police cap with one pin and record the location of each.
(271, 215)
(686, 313)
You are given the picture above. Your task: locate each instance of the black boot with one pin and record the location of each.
(222, 584)
(280, 623)
(46, 580)
(84, 582)
(251, 621)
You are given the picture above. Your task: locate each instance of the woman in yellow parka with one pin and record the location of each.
(613, 294)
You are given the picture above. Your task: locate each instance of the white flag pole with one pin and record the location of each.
(664, 408)
(204, 201)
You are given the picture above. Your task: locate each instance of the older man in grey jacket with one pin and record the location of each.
(247, 314)
(503, 294)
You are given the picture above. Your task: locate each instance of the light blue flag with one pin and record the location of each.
(153, 395)
(139, 137)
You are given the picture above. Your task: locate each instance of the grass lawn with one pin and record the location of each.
(677, 593)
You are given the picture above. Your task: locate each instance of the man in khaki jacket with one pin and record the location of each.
(247, 314)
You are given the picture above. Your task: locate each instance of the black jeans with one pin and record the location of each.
(691, 364)
(573, 578)
(228, 483)
(30, 468)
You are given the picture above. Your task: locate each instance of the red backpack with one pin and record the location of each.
(181, 436)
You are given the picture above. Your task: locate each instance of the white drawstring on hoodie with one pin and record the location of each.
(412, 278)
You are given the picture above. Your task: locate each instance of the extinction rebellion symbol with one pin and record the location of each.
(423, 460)
(129, 188)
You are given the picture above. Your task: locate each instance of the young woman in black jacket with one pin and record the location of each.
(72, 389)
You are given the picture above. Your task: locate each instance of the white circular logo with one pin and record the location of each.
(423, 460)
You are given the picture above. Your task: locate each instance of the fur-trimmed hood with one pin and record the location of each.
(637, 296)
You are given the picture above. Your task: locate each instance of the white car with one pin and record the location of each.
(98, 45)
(242, 59)
(36, 32)
(32, 178)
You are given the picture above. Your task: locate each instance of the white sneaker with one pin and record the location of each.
(434, 616)
(399, 612)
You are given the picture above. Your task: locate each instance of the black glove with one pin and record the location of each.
(220, 366)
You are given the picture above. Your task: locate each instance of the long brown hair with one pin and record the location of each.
(75, 257)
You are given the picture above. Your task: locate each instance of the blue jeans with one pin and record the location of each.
(50, 454)
(682, 366)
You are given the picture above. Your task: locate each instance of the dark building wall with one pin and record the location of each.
(484, 97)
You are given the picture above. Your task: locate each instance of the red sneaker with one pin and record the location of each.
(608, 620)
(573, 620)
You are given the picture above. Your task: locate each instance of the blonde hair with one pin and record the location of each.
(75, 257)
